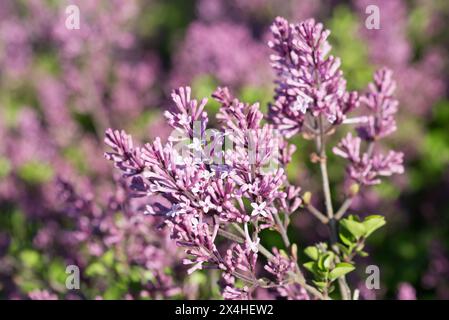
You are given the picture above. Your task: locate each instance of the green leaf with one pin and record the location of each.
(324, 262)
(96, 269)
(344, 249)
(30, 258)
(357, 229)
(311, 266)
(5, 167)
(135, 274)
(363, 254)
(56, 273)
(35, 172)
(198, 278)
(328, 260)
(372, 223)
(346, 237)
(320, 284)
(108, 258)
(312, 252)
(341, 269)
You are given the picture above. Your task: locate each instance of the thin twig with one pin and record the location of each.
(282, 230)
(317, 213)
(344, 207)
(321, 144)
(230, 236)
(324, 175)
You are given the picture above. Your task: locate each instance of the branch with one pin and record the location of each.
(282, 230)
(344, 207)
(321, 146)
(317, 213)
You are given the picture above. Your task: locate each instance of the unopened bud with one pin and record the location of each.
(354, 189)
(307, 197)
(294, 251)
(283, 253)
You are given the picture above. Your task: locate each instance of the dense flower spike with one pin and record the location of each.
(206, 178)
(367, 167)
(188, 112)
(240, 261)
(380, 102)
(309, 80)
(282, 268)
(125, 157)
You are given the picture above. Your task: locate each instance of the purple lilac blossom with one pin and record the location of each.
(204, 196)
(406, 292)
(367, 167)
(309, 81)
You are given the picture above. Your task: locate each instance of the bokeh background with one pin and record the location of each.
(61, 202)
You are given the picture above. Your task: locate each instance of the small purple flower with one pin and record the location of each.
(259, 209)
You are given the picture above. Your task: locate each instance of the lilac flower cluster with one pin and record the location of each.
(309, 81)
(206, 196)
(365, 168)
(215, 193)
(232, 184)
(281, 266)
(311, 88)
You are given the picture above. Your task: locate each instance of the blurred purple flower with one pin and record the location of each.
(223, 50)
(406, 292)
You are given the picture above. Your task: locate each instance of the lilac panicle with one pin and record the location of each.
(188, 111)
(367, 167)
(198, 239)
(242, 260)
(391, 46)
(125, 156)
(204, 196)
(309, 80)
(197, 186)
(380, 102)
(281, 267)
